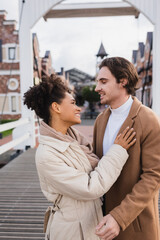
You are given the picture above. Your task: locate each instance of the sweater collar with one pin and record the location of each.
(136, 105)
(123, 108)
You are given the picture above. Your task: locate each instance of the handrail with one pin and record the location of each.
(7, 126)
(13, 143)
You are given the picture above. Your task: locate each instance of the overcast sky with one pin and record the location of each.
(74, 42)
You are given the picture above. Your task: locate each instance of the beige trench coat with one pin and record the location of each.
(65, 173)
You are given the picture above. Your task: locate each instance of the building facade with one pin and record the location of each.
(142, 60)
(10, 96)
(42, 66)
(9, 69)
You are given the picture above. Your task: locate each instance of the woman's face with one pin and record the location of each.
(69, 111)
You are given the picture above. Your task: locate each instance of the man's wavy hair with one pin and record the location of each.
(121, 68)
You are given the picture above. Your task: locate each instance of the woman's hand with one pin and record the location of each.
(126, 139)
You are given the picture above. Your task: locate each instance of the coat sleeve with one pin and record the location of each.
(77, 184)
(148, 185)
(94, 136)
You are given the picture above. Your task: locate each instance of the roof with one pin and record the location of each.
(134, 56)
(34, 35)
(35, 38)
(102, 52)
(3, 12)
(47, 54)
(141, 48)
(77, 76)
(150, 38)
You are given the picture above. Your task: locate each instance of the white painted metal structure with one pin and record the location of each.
(91, 10)
(19, 140)
(35, 9)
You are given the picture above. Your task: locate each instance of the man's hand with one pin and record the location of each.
(108, 228)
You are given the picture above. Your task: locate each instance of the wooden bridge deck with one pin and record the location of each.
(22, 205)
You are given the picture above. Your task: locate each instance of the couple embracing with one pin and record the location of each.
(123, 167)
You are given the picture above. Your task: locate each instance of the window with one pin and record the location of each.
(11, 53)
(13, 103)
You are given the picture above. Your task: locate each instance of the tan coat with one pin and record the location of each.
(133, 199)
(65, 174)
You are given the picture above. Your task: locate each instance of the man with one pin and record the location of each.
(131, 205)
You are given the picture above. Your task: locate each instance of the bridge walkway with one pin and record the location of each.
(22, 204)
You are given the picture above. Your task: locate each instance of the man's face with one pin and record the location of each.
(107, 87)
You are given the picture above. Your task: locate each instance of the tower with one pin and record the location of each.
(100, 55)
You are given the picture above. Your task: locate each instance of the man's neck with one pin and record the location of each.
(119, 102)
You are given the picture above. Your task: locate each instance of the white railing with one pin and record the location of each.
(37, 123)
(3, 127)
(7, 126)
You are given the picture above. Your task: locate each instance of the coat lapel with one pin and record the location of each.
(129, 122)
(102, 128)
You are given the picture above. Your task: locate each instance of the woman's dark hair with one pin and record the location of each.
(41, 96)
(121, 68)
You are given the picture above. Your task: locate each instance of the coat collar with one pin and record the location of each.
(136, 105)
(57, 144)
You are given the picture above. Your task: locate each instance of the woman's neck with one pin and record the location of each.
(59, 126)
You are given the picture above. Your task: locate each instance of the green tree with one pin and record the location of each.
(89, 94)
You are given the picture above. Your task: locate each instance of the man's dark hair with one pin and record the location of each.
(121, 68)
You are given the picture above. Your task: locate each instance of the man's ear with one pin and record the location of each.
(123, 82)
(55, 107)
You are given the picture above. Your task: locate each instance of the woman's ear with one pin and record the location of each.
(55, 107)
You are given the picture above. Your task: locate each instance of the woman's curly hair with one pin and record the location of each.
(41, 96)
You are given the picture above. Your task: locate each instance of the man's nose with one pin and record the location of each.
(97, 88)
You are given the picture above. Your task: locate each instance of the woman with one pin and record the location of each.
(71, 177)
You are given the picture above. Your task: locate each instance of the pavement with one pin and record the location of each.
(86, 128)
(5, 140)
